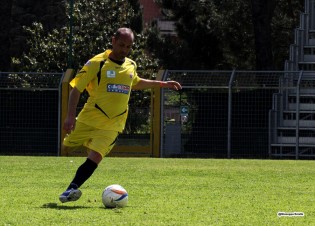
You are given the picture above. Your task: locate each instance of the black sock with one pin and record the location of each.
(83, 173)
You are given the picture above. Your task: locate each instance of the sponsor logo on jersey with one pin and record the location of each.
(110, 74)
(118, 88)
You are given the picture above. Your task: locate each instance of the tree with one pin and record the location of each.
(210, 34)
(5, 12)
(248, 35)
(262, 13)
(92, 31)
(285, 19)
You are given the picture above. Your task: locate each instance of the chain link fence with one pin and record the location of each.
(226, 114)
(221, 114)
(29, 115)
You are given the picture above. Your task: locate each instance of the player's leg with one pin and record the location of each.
(83, 173)
(86, 170)
(76, 138)
(98, 147)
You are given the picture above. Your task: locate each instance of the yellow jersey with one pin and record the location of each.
(109, 86)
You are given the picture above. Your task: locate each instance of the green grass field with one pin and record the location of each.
(161, 192)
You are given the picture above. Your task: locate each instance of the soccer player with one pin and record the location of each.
(109, 78)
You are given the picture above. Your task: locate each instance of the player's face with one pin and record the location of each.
(122, 46)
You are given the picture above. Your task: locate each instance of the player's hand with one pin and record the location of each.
(69, 124)
(172, 85)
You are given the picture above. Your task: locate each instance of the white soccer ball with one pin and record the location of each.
(115, 196)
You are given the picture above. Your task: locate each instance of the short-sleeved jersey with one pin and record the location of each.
(109, 86)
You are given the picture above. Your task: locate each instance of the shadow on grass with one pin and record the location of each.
(53, 205)
(62, 207)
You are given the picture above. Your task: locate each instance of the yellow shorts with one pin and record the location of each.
(101, 141)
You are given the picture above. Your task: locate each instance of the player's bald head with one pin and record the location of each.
(122, 42)
(124, 32)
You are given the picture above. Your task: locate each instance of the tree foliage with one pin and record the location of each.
(5, 26)
(211, 35)
(94, 23)
(220, 34)
(262, 12)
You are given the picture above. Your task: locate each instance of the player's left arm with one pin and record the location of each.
(148, 84)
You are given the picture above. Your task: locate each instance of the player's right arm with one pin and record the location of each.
(69, 122)
(79, 83)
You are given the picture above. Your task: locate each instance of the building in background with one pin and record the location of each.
(152, 13)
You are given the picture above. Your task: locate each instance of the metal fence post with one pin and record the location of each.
(230, 115)
(162, 116)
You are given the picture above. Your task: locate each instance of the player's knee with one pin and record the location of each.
(95, 156)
